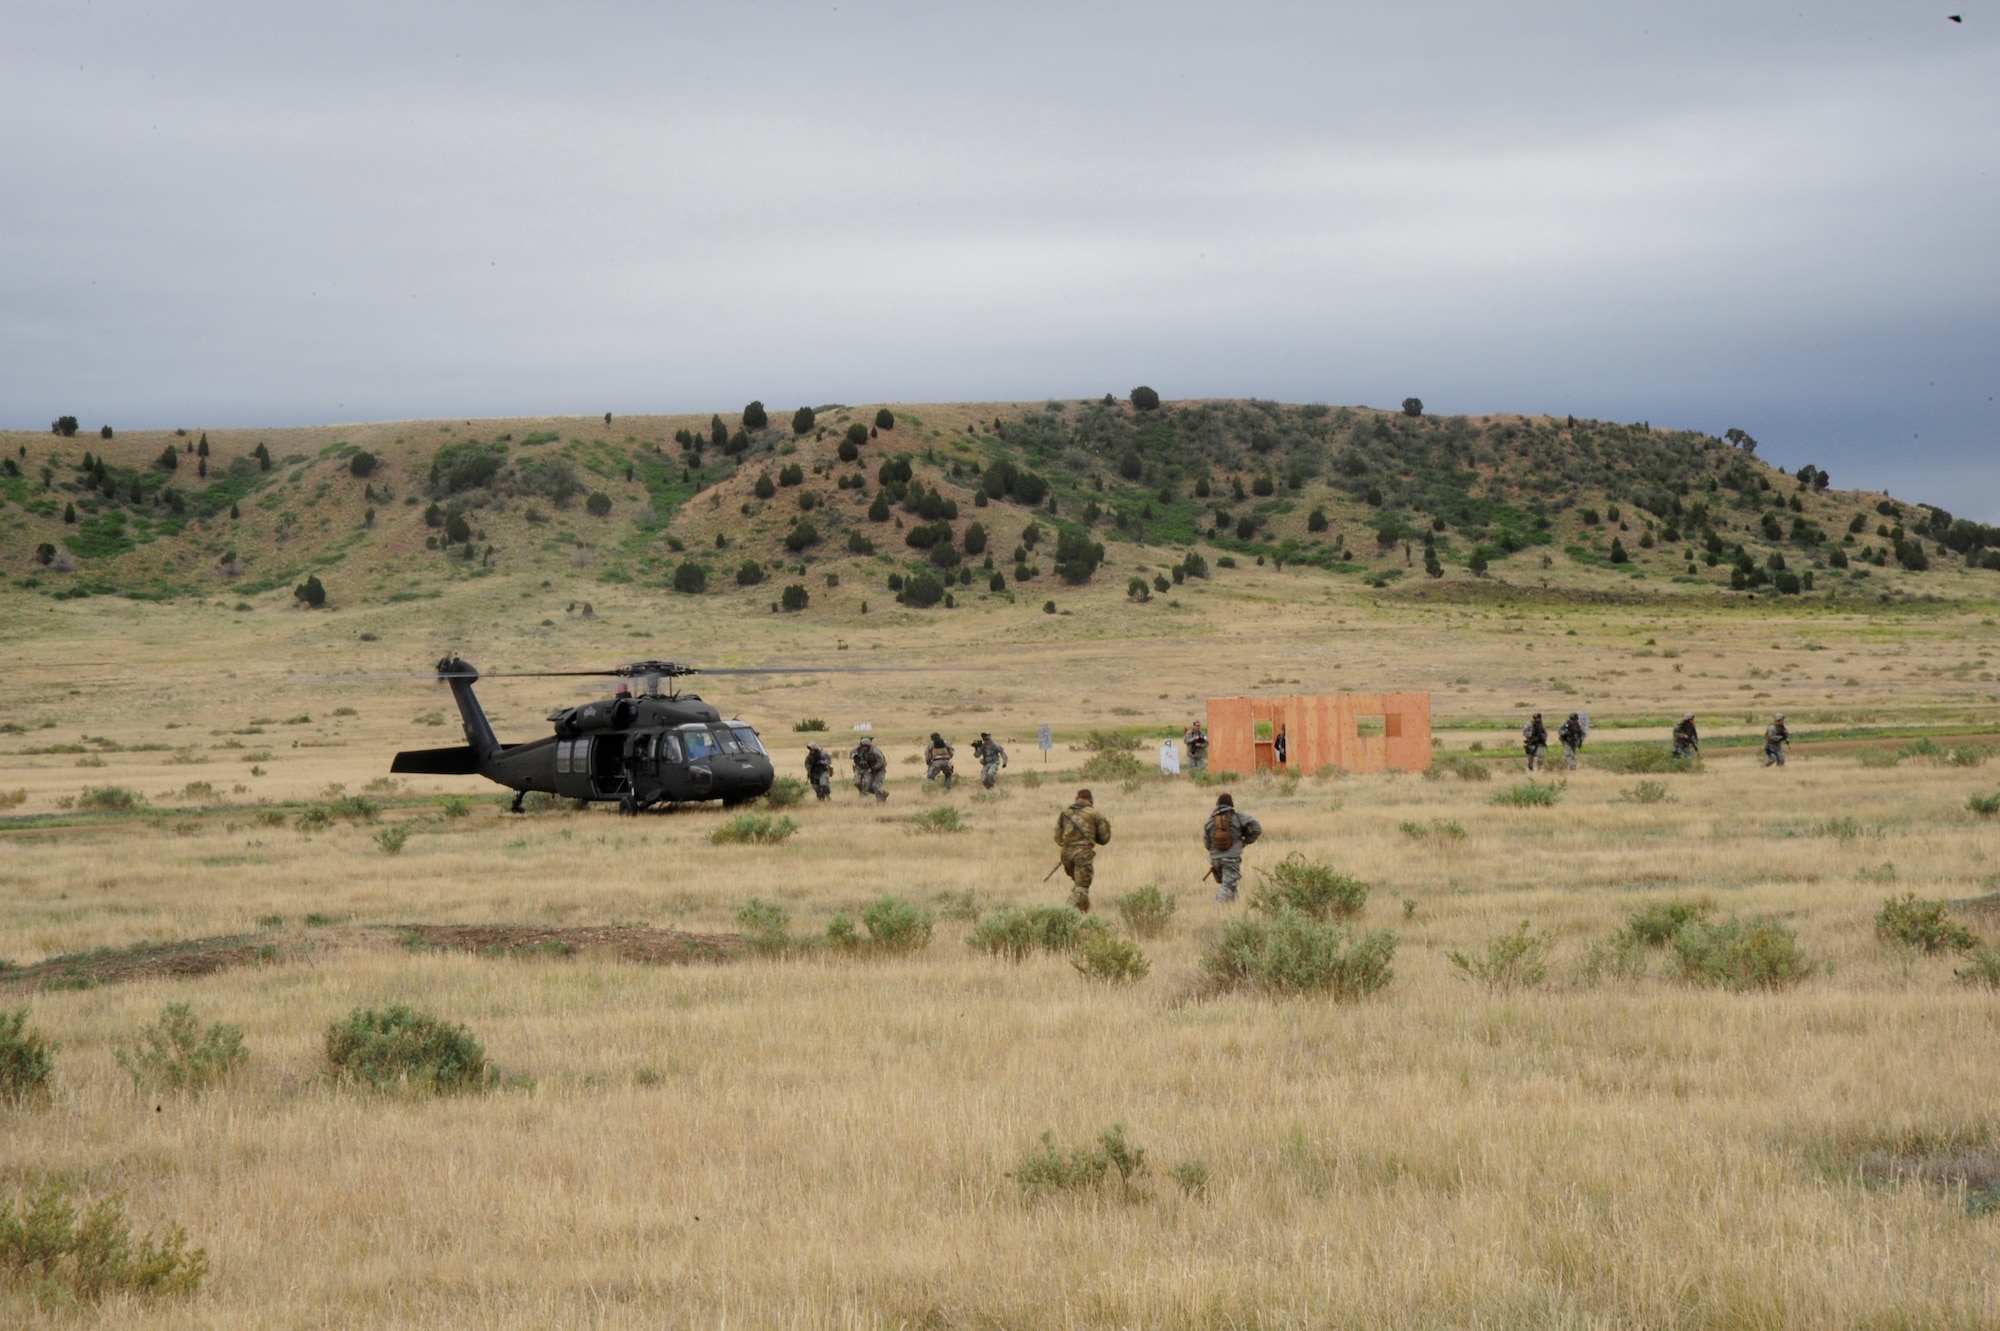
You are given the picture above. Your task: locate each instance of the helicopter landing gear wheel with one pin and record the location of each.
(628, 805)
(519, 795)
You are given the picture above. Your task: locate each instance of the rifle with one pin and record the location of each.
(1051, 873)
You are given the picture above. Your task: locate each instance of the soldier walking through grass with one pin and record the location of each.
(1195, 740)
(1776, 737)
(1570, 732)
(819, 770)
(937, 760)
(871, 769)
(1080, 830)
(1687, 743)
(1225, 833)
(991, 758)
(1534, 741)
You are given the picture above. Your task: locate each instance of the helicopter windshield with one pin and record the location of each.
(748, 737)
(699, 744)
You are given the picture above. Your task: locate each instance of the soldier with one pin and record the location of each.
(1534, 739)
(871, 767)
(991, 758)
(1195, 740)
(937, 760)
(1080, 830)
(1570, 733)
(1776, 737)
(1225, 833)
(819, 770)
(1687, 744)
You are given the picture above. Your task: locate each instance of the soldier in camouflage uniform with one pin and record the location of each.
(991, 758)
(819, 770)
(871, 768)
(1570, 733)
(1687, 741)
(1080, 830)
(1534, 740)
(937, 760)
(1776, 737)
(1225, 833)
(1195, 740)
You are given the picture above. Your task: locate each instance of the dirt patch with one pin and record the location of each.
(627, 942)
(205, 956)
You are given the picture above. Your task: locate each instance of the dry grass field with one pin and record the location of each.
(827, 1140)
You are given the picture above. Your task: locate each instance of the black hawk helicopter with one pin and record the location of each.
(639, 750)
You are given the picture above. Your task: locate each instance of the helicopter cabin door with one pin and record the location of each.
(608, 777)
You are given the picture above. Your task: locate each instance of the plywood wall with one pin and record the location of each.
(1356, 732)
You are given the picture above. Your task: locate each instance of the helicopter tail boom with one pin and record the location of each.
(458, 760)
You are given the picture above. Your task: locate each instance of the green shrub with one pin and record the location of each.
(1518, 960)
(786, 792)
(1642, 759)
(1004, 933)
(1970, 755)
(1922, 925)
(1530, 795)
(1055, 927)
(1984, 805)
(1876, 756)
(1984, 969)
(809, 725)
(757, 828)
(314, 819)
(402, 1047)
(895, 925)
(1111, 765)
(690, 578)
(108, 799)
(175, 1054)
(1758, 953)
(1656, 925)
(1619, 957)
(1050, 1169)
(1461, 765)
(1437, 827)
(357, 807)
(392, 839)
(63, 1256)
(1923, 750)
(26, 1059)
(1103, 956)
(1310, 887)
(454, 806)
(766, 927)
(944, 818)
(1148, 911)
(1290, 953)
(1646, 792)
(1191, 1177)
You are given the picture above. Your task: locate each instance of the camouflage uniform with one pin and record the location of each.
(1570, 733)
(1195, 740)
(1225, 832)
(819, 770)
(991, 759)
(1080, 830)
(871, 768)
(1687, 744)
(1776, 737)
(937, 760)
(1534, 740)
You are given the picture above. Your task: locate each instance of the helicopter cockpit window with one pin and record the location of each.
(727, 739)
(748, 738)
(670, 749)
(699, 743)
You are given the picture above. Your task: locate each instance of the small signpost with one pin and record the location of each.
(1046, 739)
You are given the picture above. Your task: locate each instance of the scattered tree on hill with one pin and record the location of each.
(64, 426)
(765, 486)
(69, 514)
(1740, 439)
(1316, 520)
(885, 419)
(691, 578)
(802, 534)
(1478, 562)
(718, 433)
(598, 505)
(362, 464)
(1145, 399)
(849, 451)
(1413, 406)
(456, 529)
(750, 574)
(1431, 564)
(922, 590)
(310, 592)
(857, 434)
(802, 420)
(103, 432)
(738, 443)
(791, 474)
(201, 449)
(975, 539)
(755, 417)
(169, 459)
(261, 453)
(1618, 555)
(795, 597)
(1077, 557)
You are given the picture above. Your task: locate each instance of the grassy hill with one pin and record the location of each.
(969, 500)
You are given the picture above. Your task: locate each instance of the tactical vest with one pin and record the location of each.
(1222, 830)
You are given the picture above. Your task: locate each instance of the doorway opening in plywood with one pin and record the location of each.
(1374, 727)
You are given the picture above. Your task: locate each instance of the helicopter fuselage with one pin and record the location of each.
(637, 751)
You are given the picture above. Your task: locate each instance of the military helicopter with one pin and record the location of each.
(639, 750)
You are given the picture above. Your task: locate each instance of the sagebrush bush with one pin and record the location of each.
(61, 1256)
(1438, 828)
(1050, 1169)
(766, 926)
(175, 1054)
(26, 1059)
(108, 799)
(1922, 925)
(1656, 925)
(753, 828)
(1112, 765)
(896, 925)
(1646, 792)
(400, 1046)
(1530, 795)
(1191, 1177)
(1004, 933)
(808, 725)
(1517, 960)
(1461, 765)
(1310, 887)
(944, 818)
(1642, 760)
(1758, 953)
(1147, 912)
(1983, 805)
(786, 792)
(1291, 953)
(392, 839)
(1103, 956)
(1983, 969)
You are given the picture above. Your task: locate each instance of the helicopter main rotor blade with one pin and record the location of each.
(626, 673)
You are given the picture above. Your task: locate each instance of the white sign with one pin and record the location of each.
(864, 725)
(1046, 738)
(1170, 759)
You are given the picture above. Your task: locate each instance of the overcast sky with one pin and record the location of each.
(1784, 218)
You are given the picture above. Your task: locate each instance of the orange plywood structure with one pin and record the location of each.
(1356, 732)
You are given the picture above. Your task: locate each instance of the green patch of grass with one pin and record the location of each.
(753, 829)
(1642, 759)
(109, 799)
(1517, 960)
(1049, 1169)
(1758, 953)
(1530, 795)
(1461, 765)
(1436, 829)
(1984, 805)
(944, 818)
(175, 1054)
(1646, 792)
(392, 839)
(401, 1047)
(766, 927)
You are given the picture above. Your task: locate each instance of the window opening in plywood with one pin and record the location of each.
(1369, 726)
